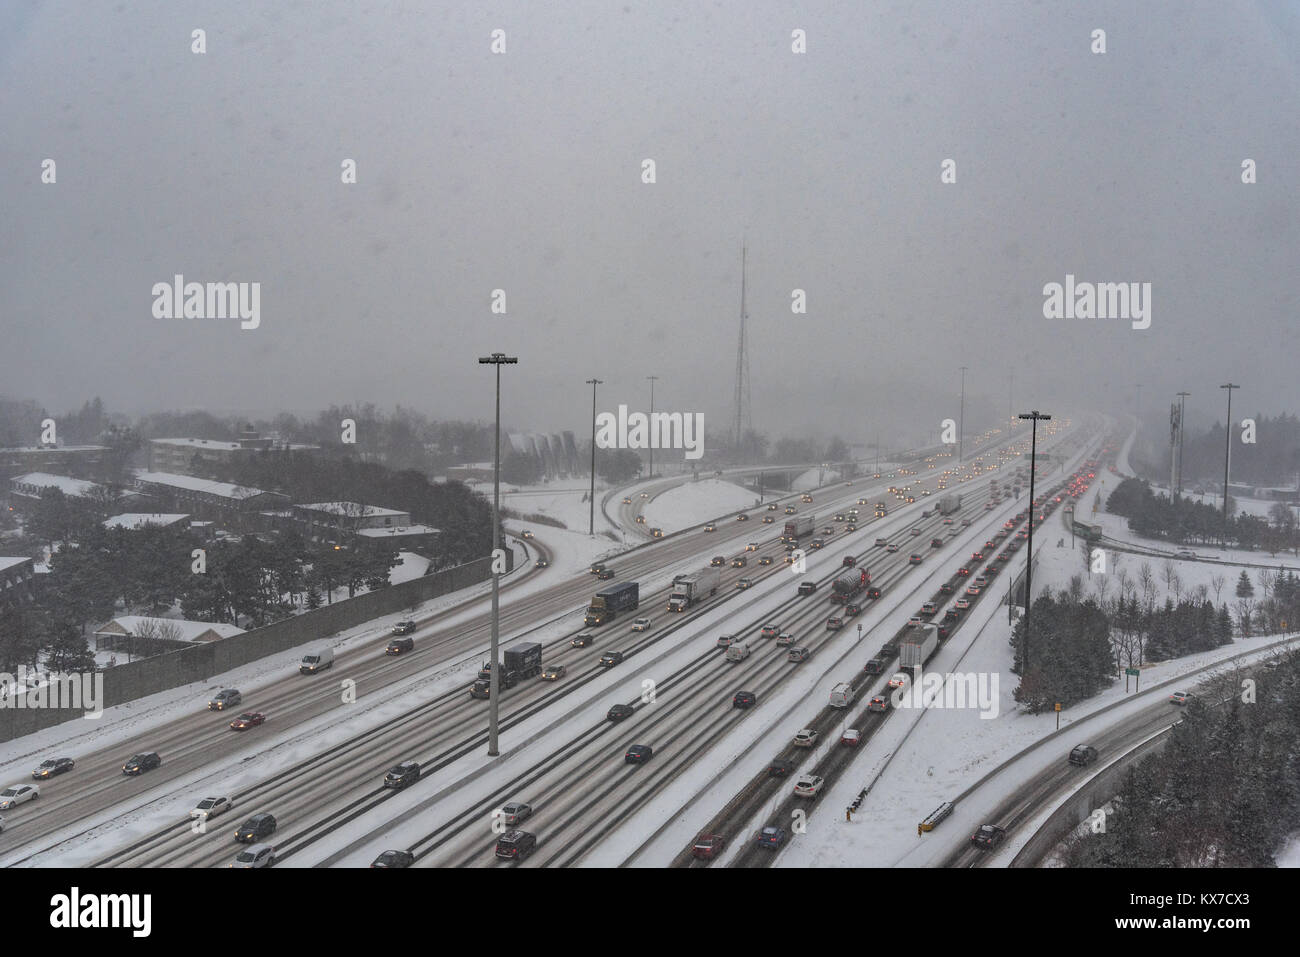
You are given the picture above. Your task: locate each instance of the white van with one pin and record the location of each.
(841, 694)
(737, 651)
(317, 660)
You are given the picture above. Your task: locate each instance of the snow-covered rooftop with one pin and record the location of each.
(135, 520)
(187, 630)
(397, 531)
(65, 483)
(222, 489)
(350, 509)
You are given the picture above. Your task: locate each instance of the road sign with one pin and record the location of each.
(1132, 671)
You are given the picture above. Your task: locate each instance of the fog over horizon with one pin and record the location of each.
(522, 172)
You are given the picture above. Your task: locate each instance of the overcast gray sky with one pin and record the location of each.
(522, 172)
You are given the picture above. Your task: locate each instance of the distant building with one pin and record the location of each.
(556, 453)
(234, 506)
(57, 459)
(137, 520)
(16, 578)
(179, 455)
(352, 521)
(142, 635)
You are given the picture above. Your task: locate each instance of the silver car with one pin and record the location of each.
(258, 855)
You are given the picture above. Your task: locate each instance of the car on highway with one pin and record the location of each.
(225, 698)
(805, 738)
(582, 641)
(402, 775)
(947, 521)
(597, 568)
(808, 785)
(770, 838)
(891, 547)
(255, 828)
(638, 754)
(397, 646)
(641, 624)
(526, 534)
(900, 680)
(645, 494)
(1083, 755)
(554, 672)
(977, 556)
(259, 855)
(742, 517)
(627, 500)
(936, 543)
(515, 845)
(211, 807)
(881, 542)
(981, 580)
(18, 794)
(708, 846)
(743, 583)
(49, 769)
(725, 641)
(780, 769)
(973, 590)
(850, 527)
(851, 738)
(798, 654)
(768, 520)
(610, 658)
(656, 533)
(249, 719)
(807, 588)
(711, 527)
(963, 571)
(828, 531)
(785, 638)
(965, 523)
(878, 702)
(515, 812)
(619, 712)
(394, 859)
(834, 623)
(790, 510)
(744, 699)
(403, 628)
(1184, 553)
(751, 547)
(765, 560)
(988, 837)
(1181, 697)
(139, 763)
(915, 559)
(914, 531)
(540, 563)
(816, 543)
(717, 560)
(605, 574)
(875, 666)
(961, 604)
(769, 631)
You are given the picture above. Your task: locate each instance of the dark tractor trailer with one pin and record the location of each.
(608, 602)
(846, 586)
(521, 661)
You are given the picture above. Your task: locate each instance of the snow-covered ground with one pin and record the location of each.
(694, 502)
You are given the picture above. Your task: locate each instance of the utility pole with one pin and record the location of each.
(1182, 415)
(653, 379)
(497, 359)
(591, 528)
(961, 420)
(1227, 456)
(1036, 417)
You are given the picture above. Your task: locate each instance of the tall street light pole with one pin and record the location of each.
(961, 419)
(1036, 417)
(497, 359)
(653, 379)
(591, 528)
(1227, 456)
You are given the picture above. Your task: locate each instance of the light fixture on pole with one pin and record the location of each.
(653, 379)
(497, 359)
(961, 420)
(1227, 456)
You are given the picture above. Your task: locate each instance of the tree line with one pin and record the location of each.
(1187, 522)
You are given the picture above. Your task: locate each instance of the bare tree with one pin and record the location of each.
(1201, 593)
(1217, 582)
(1176, 583)
(1168, 572)
(1147, 579)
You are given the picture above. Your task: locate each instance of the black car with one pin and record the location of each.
(399, 645)
(744, 699)
(408, 772)
(889, 650)
(1083, 755)
(139, 763)
(619, 712)
(404, 628)
(850, 561)
(936, 543)
(807, 588)
(780, 769)
(638, 754)
(988, 837)
(515, 845)
(50, 768)
(605, 573)
(582, 641)
(394, 859)
(610, 658)
(876, 666)
(255, 828)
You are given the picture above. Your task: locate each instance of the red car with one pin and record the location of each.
(249, 720)
(708, 846)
